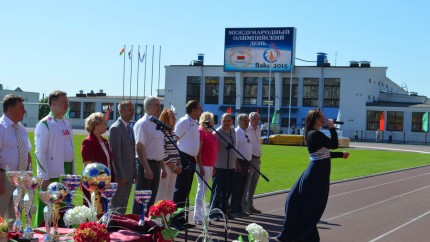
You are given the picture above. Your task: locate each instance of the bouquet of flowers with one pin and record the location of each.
(165, 210)
(79, 215)
(91, 232)
(256, 233)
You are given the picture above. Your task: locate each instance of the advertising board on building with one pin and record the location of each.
(259, 49)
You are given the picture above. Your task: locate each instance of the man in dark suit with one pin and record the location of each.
(122, 144)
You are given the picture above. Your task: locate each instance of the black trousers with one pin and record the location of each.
(184, 181)
(240, 180)
(145, 184)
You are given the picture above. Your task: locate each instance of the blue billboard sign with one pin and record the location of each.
(259, 49)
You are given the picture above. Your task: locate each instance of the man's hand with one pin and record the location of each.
(148, 174)
(163, 173)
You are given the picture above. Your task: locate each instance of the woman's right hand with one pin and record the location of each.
(345, 155)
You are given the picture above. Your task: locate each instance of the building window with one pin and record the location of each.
(75, 110)
(89, 108)
(395, 121)
(286, 91)
(139, 111)
(266, 91)
(193, 88)
(215, 119)
(105, 107)
(373, 118)
(417, 122)
(284, 122)
(310, 92)
(250, 87)
(331, 92)
(229, 90)
(211, 89)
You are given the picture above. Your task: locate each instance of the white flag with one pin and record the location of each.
(172, 108)
(338, 119)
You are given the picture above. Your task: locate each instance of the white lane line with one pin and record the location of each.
(361, 189)
(395, 149)
(377, 203)
(399, 227)
(382, 184)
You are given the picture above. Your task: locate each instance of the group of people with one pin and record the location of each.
(162, 159)
(162, 155)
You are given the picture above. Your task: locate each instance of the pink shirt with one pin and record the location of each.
(209, 150)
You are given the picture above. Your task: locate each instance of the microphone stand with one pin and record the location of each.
(191, 165)
(228, 147)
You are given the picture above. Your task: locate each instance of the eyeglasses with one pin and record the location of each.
(247, 138)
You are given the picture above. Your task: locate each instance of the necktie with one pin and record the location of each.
(22, 161)
(130, 131)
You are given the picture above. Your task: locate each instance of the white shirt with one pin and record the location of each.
(254, 136)
(145, 132)
(243, 144)
(187, 131)
(9, 154)
(69, 153)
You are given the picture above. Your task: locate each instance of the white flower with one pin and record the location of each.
(257, 232)
(78, 215)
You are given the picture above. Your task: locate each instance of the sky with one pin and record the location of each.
(74, 45)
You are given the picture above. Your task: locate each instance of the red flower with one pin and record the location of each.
(91, 232)
(162, 207)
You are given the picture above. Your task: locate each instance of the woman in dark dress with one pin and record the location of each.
(308, 197)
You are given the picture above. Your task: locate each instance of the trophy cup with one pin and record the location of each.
(108, 193)
(142, 197)
(72, 183)
(18, 194)
(95, 178)
(30, 184)
(52, 197)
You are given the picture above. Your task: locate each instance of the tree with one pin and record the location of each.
(43, 107)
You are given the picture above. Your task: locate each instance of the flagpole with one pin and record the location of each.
(123, 76)
(268, 103)
(130, 56)
(144, 78)
(159, 71)
(152, 68)
(289, 108)
(137, 76)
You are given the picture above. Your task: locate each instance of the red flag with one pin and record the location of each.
(257, 110)
(229, 110)
(107, 113)
(382, 122)
(122, 51)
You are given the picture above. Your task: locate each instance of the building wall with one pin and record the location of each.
(31, 105)
(359, 86)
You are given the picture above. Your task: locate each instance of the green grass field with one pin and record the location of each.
(282, 165)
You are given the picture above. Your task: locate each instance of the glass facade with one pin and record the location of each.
(230, 90)
(211, 89)
(250, 87)
(310, 92)
(331, 92)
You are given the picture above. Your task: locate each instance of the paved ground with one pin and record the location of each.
(389, 207)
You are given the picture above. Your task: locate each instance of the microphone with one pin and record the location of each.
(337, 122)
(160, 124)
(207, 122)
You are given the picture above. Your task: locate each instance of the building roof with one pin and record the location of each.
(398, 104)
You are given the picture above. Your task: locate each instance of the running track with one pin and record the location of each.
(388, 207)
